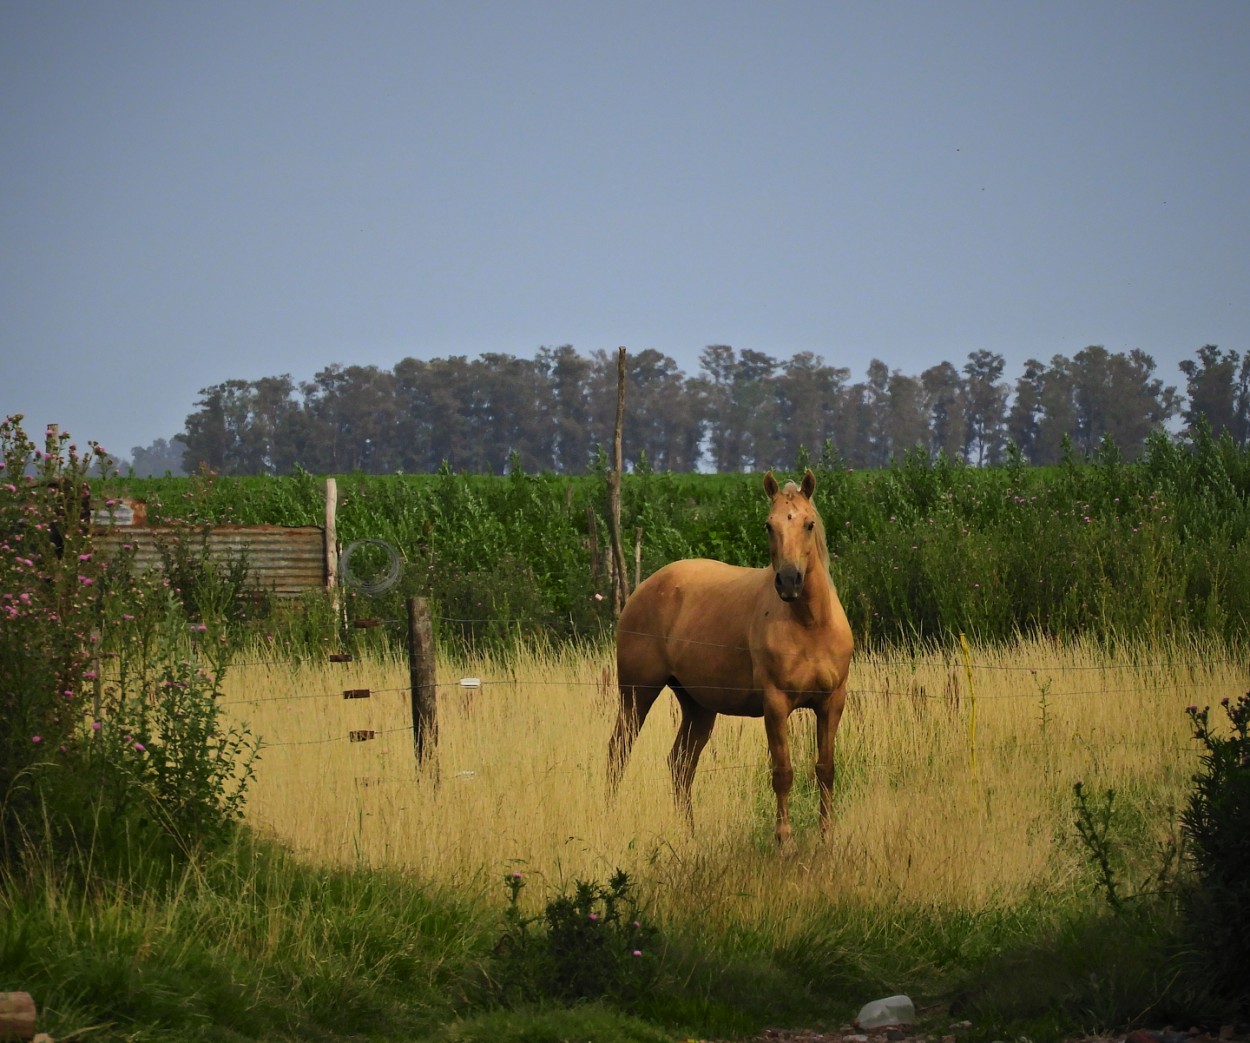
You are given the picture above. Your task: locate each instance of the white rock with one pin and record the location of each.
(893, 1010)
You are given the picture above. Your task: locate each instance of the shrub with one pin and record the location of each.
(51, 590)
(108, 692)
(590, 944)
(1217, 824)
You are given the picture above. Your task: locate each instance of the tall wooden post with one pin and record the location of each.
(17, 1015)
(332, 542)
(422, 679)
(620, 572)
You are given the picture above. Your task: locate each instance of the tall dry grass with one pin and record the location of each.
(929, 811)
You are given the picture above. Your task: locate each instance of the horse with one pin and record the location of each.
(747, 642)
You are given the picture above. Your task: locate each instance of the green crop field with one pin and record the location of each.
(922, 551)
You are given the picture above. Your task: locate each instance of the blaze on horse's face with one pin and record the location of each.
(791, 529)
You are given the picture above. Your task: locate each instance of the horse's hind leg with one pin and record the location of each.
(827, 718)
(636, 702)
(692, 735)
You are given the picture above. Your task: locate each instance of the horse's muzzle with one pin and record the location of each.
(789, 582)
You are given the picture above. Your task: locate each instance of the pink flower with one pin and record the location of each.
(84, 557)
(86, 581)
(637, 952)
(36, 739)
(95, 726)
(139, 747)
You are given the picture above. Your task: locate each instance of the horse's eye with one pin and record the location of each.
(768, 527)
(810, 526)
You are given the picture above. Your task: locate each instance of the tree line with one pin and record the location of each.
(744, 410)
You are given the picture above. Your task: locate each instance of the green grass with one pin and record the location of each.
(254, 945)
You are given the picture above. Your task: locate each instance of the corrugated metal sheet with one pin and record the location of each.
(283, 560)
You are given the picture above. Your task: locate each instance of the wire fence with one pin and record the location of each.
(959, 688)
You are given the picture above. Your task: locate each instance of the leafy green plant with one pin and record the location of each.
(589, 944)
(1217, 826)
(110, 729)
(51, 591)
(1093, 826)
(171, 759)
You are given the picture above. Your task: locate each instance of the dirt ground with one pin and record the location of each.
(851, 1034)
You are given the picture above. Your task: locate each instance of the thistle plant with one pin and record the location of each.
(51, 584)
(587, 944)
(107, 714)
(1216, 821)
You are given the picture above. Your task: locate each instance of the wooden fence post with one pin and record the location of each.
(332, 542)
(17, 1015)
(620, 571)
(422, 678)
(972, 701)
(592, 533)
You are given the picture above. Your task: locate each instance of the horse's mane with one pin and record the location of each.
(822, 545)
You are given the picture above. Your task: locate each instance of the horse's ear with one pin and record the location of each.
(770, 484)
(809, 483)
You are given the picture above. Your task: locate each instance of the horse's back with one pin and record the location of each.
(692, 608)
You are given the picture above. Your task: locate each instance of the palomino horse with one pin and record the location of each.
(740, 641)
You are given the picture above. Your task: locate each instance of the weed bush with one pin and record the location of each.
(590, 944)
(108, 690)
(1217, 825)
(1199, 909)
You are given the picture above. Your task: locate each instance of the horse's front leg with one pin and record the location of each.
(777, 728)
(828, 715)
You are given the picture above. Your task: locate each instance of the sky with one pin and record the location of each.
(193, 192)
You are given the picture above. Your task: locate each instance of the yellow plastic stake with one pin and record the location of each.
(972, 700)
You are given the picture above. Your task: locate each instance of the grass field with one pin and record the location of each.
(957, 879)
(954, 791)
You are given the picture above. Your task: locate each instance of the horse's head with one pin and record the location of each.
(794, 532)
